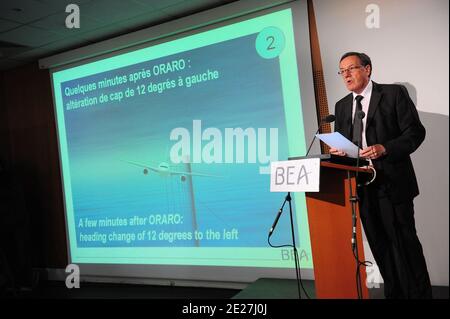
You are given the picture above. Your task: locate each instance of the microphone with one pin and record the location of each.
(275, 222)
(328, 119)
(359, 116)
(287, 199)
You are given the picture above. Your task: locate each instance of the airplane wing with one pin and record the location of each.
(191, 174)
(155, 169)
(171, 172)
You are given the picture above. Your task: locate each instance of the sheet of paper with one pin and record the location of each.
(338, 141)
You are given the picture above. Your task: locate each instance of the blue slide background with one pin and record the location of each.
(102, 137)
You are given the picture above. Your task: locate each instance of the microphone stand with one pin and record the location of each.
(328, 119)
(288, 199)
(314, 138)
(354, 202)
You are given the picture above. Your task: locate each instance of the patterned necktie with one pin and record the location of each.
(357, 122)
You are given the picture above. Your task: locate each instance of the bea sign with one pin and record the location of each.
(295, 176)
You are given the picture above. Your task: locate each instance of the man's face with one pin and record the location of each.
(355, 76)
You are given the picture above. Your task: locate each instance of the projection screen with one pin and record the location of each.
(165, 148)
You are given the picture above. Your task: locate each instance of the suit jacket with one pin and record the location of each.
(393, 122)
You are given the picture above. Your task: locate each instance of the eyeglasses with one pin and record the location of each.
(350, 69)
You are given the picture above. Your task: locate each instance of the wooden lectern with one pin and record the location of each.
(330, 227)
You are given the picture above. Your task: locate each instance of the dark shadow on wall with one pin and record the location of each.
(15, 248)
(411, 90)
(28, 144)
(432, 205)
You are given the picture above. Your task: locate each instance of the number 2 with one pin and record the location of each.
(271, 39)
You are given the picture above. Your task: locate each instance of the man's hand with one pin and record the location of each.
(373, 152)
(335, 151)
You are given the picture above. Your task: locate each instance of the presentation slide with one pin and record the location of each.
(166, 150)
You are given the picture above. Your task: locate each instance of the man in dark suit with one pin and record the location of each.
(391, 131)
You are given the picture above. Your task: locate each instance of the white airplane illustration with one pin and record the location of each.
(164, 170)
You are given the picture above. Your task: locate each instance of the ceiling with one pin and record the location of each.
(32, 29)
